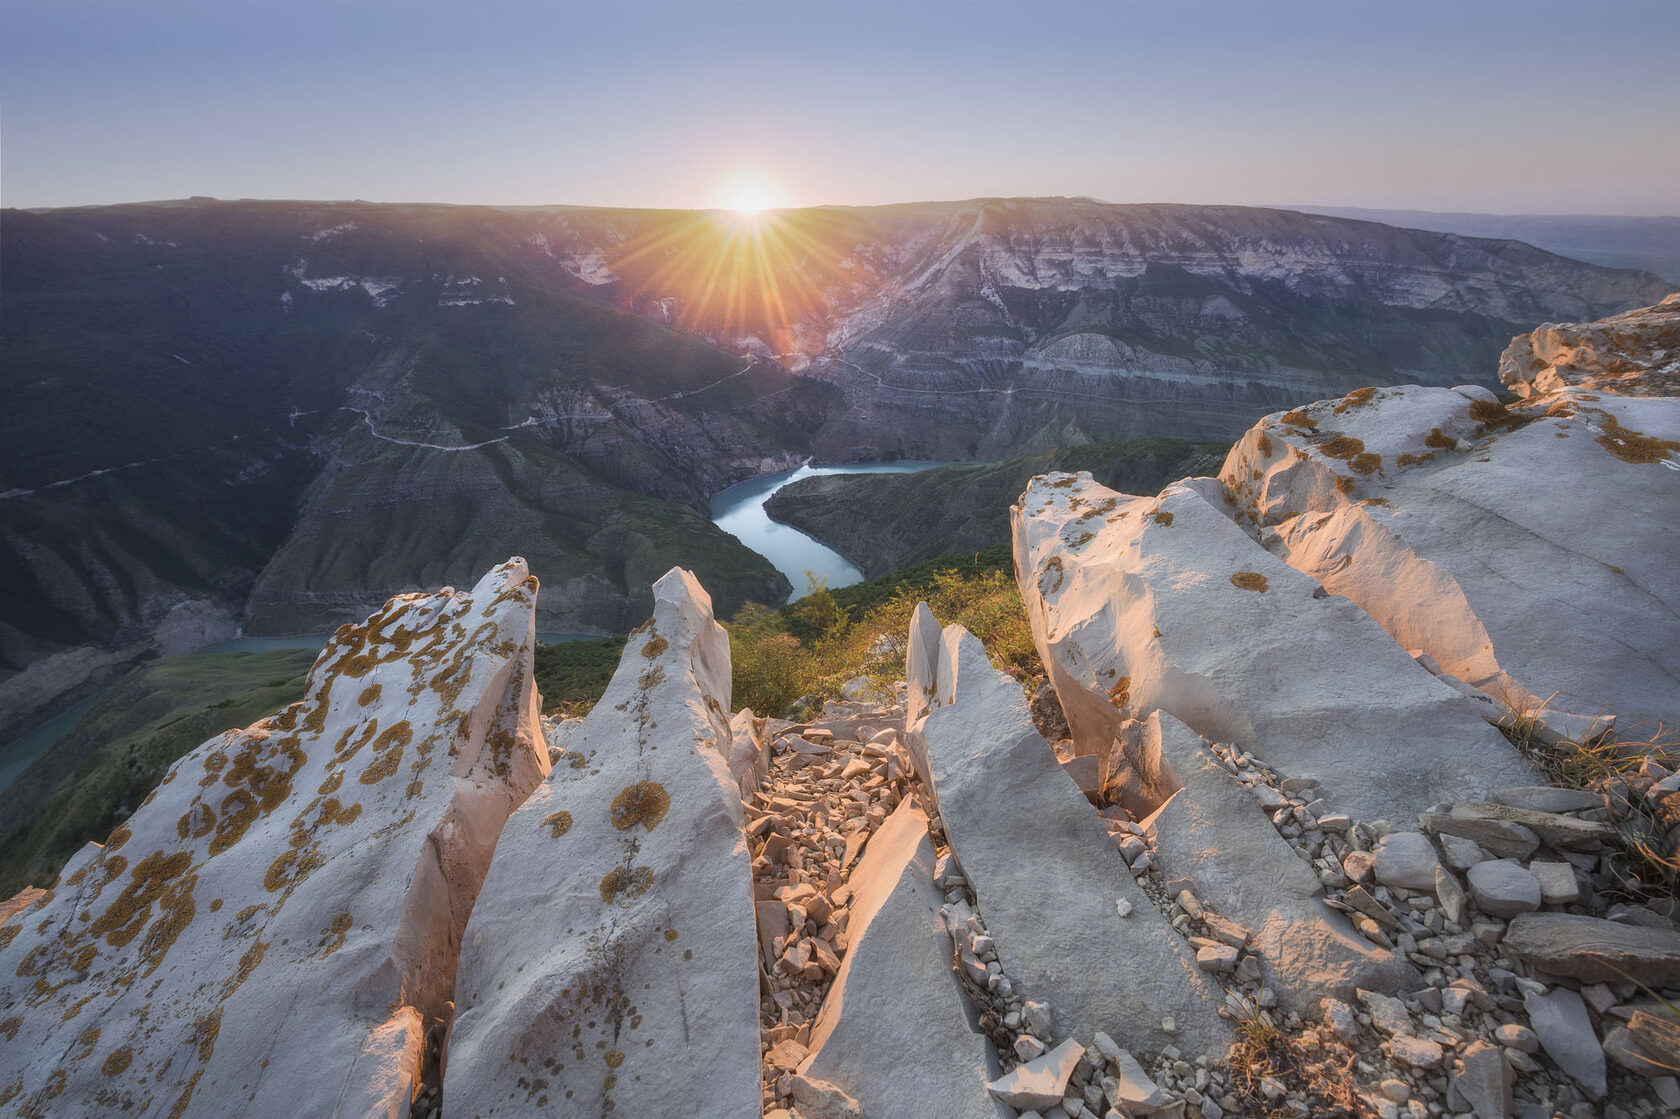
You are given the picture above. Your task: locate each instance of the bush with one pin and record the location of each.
(809, 650)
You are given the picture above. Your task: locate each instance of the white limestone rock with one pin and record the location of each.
(1049, 902)
(1210, 838)
(1453, 523)
(1628, 354)
(1566, 1033)
(612, 953)
(277, 926)
(1040, 1083)
(749, 751)
(1405, 859)
(1140, 604)
(894, 1031)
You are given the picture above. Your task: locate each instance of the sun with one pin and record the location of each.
(748, 194)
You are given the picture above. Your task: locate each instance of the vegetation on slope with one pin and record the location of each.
(788, 661)
(104, 766)
(884, 522)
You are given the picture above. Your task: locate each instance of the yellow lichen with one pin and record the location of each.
(1250, 581)
(656, 645)
(118, 1060)
(645, 803)
(625, 882)
(1298, 418)
(1366, 463)
(557, 823)
(1439, 440)
(1633, 446)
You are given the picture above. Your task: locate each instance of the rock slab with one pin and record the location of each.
(276, 928)
(1167, 603)
(893, 1034)
(1050, 903)
(1212, 839)
(613, 950)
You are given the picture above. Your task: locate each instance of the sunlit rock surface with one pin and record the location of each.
(1213, 839)
(612, 955)
(1140, 604)
(1045, 876)
(894, 1033)
(1531, 551)
(276, 928)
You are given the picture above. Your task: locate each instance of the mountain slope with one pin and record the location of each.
(884, 522)
(276, 414)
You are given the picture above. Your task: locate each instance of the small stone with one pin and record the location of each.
(1451, 895)
(1169, 1026)
(1387, 1014)
(1036, 1017)
(1483, 1081)
(1217, 958)
(1505, 838)
(1339, 1016)
(1461, 854)
(1454, 1000)
(1028, 1047)
(1594, 950)
(1504, 888)
(1358, 865)
(1416, 1052)
(1187, 902)
(1517, 1037)
(1134, 1092)
(1406, 859)
(1557, 882)
(1397, 1090)
(1123, 907)
(1335, 821)
(1566, 1033)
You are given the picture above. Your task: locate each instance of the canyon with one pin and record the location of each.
(268, 417)
(1333, 821)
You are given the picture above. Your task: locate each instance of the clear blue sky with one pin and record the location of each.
(1534, 106)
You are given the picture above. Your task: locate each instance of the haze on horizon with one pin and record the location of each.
(1542, 106)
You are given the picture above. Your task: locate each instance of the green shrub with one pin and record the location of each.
(808, 651)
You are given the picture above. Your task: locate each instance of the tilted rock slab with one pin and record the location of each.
(893, 1034)
(1143, 604)
(1631, 354)
(276, 927)
(1044, 872)
(1531, 553)
(611, 962)
(1213, 839)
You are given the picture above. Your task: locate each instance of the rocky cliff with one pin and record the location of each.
(1283, 862)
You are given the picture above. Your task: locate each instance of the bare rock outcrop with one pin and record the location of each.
(1633, 354)
(1213, 838)
(893, 1034)
(1469, 531)
(612, 951)
(1140, 604)
(1071, 926)
(276, 929)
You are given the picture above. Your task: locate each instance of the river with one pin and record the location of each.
(739, 511)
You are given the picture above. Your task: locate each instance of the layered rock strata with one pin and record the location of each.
(276, 929)
(612, 948)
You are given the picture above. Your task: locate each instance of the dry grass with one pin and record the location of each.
(1642, 865)
(1315, 1066)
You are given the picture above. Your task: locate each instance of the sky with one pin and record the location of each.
(1539, 106)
